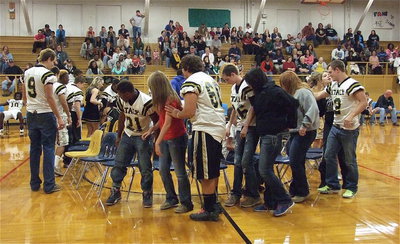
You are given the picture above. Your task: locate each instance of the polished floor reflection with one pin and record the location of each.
(75, 216)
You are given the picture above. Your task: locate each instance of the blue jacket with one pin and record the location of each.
(176, 83)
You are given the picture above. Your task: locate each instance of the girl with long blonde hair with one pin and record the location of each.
(171, 143)
(301, 138)
(93, 104)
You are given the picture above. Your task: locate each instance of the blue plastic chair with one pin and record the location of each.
(225, 107)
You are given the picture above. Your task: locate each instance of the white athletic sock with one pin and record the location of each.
(57, 161)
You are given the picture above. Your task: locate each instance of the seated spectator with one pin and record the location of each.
(68, 66)
(208, 66)
(52, 41)
(302, 67)
(170, 28)
(39, 41)
(301, 50)
(234, 51)
(278, 59)
(185, 49)
(266, 35)
(98, 61)
(118, 69)
(358, 37)
(218, 31)
(111, 36)
(156, 57)
(92, 71)
(369, 111)
(91, 35)
(257, 44)
(320, 34)
(331, 34)
(123, 42)
(103, 36)
(376, 67)
(175, 59)
(134, 69)
(185, 37)
(348, 37)
(148, 54)
(60, 36)
(142, 64)
(312, 51)
(87, 49)
(9, 84)
(178, 27)
(385, 104)
(138, 47)
(308, 32)
(382, 55)
(290, 44)
(275, 34)
(240, 33)
(247, 42)
(249, 29)
(47, 32)
(391, 53)
(203, 30)
(209, 54)
(226, 33)
(269, 46)
(61, 56)
(267, 66)
(5, 57)
(358, 47)
(337, 53)
(373, 41)
(309, 59)
(295, 56)
(278, 45)
(319, 66)
(124, 32)
(218, 59)
(289, 64)
(216, 44)
(107, 53)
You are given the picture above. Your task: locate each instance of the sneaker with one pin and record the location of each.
(147, 199)
(114, 197)
(168, 205)
(232, 200)
(249, 202)
(58, 172)
(327, 190)
(2, 132)
(203, 215)
(21, 132)
(382, 124)
(299, 199)
(282, 209)
(54, 189)
(262, 208)
(218, 208)
(183, 209)
(349, 194)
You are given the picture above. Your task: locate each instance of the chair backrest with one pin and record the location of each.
(108, 147)
(225, 107)
(95, 142)
(105, 126)
(1, 108)
(115, 126)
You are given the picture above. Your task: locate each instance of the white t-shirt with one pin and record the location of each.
(74, 94)
(15, 105)
(137, 20)
(343, 101)
(240, 101)
(59, 89)
(137, 114)
(209, 116)
(35, 79)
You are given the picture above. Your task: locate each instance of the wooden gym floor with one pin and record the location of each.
(67, 217)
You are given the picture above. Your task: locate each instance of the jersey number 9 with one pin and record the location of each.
(31, 87)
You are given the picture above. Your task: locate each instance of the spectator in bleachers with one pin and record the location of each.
(98, 61)
(9, 84)
(309, 33)
(103, 36)
(278, 59)
(290, 43)
(226, 33)
(177, 82)
(249, 29)
(170, 28)
(134, 68)
(123, 42)
(138, 46)
(358, 47)
(319, 66)
(107, 53)
(178, 28)
(111, 36)
(382, 55)
(92, 70)
(39, 41)
(148, 54)
(175, 59)
(266, 35)
(309, 59)
(234, 35)
(87, 49)
(52, 41)
(118, 69)
(300, 49)
(369, 110)
(136, 22)
(202, 30)
(142, 64)
(337, 53)
(302, 67)
(185, 49)
(240, 33)
(247, 42)
(257, 44)
(360, 38)
(295, 56)
(218, 31)
(209, 54)
(201, 47)
(278, 45)
(349, 36)
(300, 39)
(269, 46)
(216, 44)
(267, 66)
(156, 57)
(234, 51)
(68, 66)
(91, 34)
(373, 40)
(312, 51)
(376, 67)
(185, 37)
(208, 66)
(166, 53)
(61, 56)
(47, 32)
(124, 32)
(289, 64)
(320, 34)
(385, 104)
(392, 53)
(60, 35)
(275, 34)
(5, 57)
(161, 39)
(331, 34)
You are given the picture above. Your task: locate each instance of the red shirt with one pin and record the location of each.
(287, 65)
(177, 127)
(39, 37)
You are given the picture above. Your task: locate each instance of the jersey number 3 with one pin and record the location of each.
(31, 87)
(213, 93)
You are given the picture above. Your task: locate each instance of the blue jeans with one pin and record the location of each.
(174, 151)
(167, 61)
(138, 52)
(298, 146)
(344, 141)
(275, 193)
(127, 148)
(42, 133)
(137, 32)
(383, 112)
(4, 86)
(244, 164)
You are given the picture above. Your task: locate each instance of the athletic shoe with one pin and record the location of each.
(382, 124)
(262, 208)
(249, 202)
(21, 132)
(299, 199)
(54, 189)
(168, 205)
(203, 215)
(282, 209)
(232, 200)
(147, 199)
(1, 132)
(114, 197)
(349, 194)
(327, 190)
(183, 208)
(58, 172)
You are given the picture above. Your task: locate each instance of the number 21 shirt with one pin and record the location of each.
(137, 114)
(343, 101)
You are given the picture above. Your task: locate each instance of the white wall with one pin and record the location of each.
(85, 13)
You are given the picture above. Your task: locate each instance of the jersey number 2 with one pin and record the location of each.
(31, 87)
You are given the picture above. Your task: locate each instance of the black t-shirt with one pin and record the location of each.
(320, 31)
(124, 32)
(13, 70)
(330, 32)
